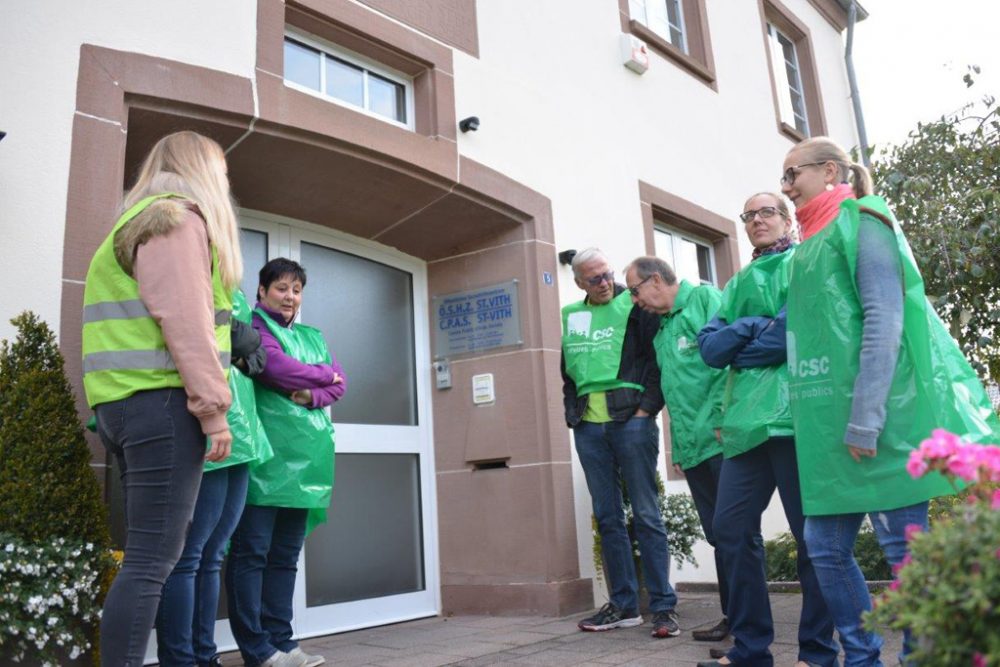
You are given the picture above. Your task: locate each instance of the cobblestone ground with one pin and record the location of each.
(473, 641)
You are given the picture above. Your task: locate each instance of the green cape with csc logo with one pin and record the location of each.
(933, 385)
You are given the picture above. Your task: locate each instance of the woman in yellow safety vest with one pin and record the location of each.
(156, 352)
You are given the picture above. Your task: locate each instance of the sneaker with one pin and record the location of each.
(714, 634)
(282, 659)
(665, 624)
(610, 617)
(215, 661)
(310, 660)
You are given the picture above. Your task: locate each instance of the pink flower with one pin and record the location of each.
(996, 503)
(964, 463)
(916, 466)
(978, 660)
(989, 460)
(940, 445)
(910, 531)
(894, 585)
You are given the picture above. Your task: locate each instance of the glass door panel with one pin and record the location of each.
(373, 546)
(365, 311)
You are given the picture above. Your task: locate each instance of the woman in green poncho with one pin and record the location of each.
(748, 337)
(289, 493)
(872, 370)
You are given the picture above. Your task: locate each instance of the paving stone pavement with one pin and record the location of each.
(477, 641)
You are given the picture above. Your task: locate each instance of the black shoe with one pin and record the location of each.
(665, 624)
(718, 653)
(216, 661)
(610, 617)
(713, 663)
(715, 634)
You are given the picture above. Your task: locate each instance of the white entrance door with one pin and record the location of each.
(375, 560)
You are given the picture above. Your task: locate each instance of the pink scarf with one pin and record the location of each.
(816, 213)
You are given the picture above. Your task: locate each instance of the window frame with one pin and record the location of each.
(663, 228)
(368, 67)
(665, 210)
(796, 87)
(774, 13)
(696, 55)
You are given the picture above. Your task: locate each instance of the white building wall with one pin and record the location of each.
(562, 115)
(39, 60)
(559, 114)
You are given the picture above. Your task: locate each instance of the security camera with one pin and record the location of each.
(470, 124)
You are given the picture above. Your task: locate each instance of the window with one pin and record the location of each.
(346, 79)
(788, 80)
(676, 29)
(692, 260)
(664, 17)
(798, 106)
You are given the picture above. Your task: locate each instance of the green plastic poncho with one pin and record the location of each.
(593, 337)
(933, 385)
(250, 443)
(755, 406)
(692, 390)
(301, 472)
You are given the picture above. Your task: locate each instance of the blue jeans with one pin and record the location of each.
(629, 449)
(748, 481)
(703, 481)
(831, 543)
(185, 624)
(160, 451)
(260, 579)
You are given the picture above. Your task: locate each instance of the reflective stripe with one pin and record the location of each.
(127, 310)
(114, 310)
(131, 360)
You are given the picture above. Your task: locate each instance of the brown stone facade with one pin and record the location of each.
(507, 536)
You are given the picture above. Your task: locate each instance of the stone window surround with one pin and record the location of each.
(660, 206)
(698, 61)
(773, 11)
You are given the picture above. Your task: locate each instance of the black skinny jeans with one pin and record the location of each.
(160, 450)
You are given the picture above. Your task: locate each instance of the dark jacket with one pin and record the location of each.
(638, 365)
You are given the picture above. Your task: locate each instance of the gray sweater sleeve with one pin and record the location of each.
(880, 287)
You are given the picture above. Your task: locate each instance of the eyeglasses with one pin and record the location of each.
(634, 289)
(764, 211)
(600, 278)
(790, 173)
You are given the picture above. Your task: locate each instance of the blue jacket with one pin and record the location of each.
(748, 342)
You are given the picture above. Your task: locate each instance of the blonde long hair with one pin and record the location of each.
(825, 149)
(193, 165)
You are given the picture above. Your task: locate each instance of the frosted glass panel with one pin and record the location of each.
(371, 545)
(254, 247)
(365, 311)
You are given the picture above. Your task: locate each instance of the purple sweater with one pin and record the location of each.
(287, 374)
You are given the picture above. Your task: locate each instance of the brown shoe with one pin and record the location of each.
(714, 634)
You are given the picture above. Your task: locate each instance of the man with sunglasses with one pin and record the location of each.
(692, 392)
(611, 392)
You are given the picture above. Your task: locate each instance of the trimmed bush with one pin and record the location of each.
(48, 493)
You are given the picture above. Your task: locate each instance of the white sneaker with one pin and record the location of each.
(282, 659)
(310, 660)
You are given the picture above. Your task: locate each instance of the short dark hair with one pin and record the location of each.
(646, 266)
(278, 268)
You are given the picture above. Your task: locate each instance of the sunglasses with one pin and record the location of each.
(600, 278)
(634, 289)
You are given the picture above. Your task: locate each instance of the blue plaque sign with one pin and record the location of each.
(476, 320)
